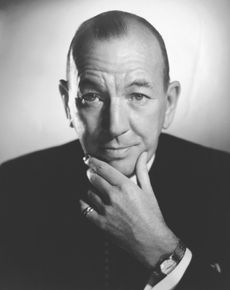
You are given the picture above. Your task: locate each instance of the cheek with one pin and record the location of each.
(148, 125)
(86, 124)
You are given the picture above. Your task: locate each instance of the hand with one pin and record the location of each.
(128, 212)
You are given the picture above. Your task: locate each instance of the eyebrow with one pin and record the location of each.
(86, 82)
(140, 83)
(89, 83)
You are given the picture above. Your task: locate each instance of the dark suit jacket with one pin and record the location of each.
(45, 244)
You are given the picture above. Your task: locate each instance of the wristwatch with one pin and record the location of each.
(167, 264)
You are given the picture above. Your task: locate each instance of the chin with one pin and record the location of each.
(126, 168)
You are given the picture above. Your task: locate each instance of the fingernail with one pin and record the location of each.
(89, 172)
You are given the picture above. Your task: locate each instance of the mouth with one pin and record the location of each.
(115, 152)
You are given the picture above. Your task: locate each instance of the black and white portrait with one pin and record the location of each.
(114, 151)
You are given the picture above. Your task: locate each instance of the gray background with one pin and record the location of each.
(34, 39)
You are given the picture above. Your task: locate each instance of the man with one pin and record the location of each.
(152, 211)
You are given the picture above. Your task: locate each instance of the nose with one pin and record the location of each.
(117, 118)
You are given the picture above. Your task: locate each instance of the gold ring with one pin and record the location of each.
(86, 211)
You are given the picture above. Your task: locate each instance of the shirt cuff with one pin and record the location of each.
(172, 279)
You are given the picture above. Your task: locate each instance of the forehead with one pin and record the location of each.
(135, 54)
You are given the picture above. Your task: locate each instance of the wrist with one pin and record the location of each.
(167, 264)
(162, 249)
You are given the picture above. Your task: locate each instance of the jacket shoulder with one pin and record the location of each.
(41, 181)
(190, 154)
(43, 161)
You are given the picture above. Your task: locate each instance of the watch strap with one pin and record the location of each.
(167, 264)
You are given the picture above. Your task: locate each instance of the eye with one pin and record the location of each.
(90, 98)
(138, 98)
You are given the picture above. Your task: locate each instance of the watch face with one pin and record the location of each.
(167, 266)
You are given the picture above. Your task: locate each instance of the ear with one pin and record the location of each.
(64, 92)
(172, 96)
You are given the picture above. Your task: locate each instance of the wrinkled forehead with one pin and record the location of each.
(137, 49)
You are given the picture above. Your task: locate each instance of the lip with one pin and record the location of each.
(116, 148)
(115, 152)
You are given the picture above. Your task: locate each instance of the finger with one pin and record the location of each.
(101, 185)
(109, 173)
(142, 173)
(95, 201)
(92, 216)
(83, 206)
(144, 180)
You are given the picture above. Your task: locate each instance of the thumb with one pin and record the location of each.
(142, 173)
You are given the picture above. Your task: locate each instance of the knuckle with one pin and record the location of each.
(113, 193)
(100, 168)
(125, 187)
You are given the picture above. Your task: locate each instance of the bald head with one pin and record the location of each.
(114, 24)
